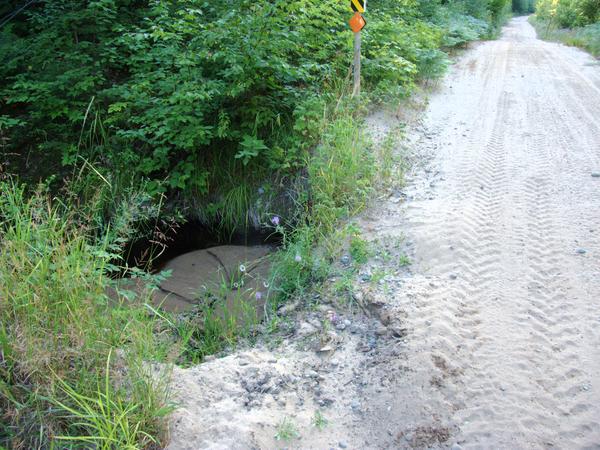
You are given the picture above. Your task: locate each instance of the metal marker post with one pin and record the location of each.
(356, 90)
(357, 23)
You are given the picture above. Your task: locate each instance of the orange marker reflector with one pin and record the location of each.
(357, 22)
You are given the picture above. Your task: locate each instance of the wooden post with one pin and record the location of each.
(356, 90)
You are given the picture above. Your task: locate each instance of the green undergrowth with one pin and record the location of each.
(205, 102)
(74, 366)
(587, 37)
(572, 22)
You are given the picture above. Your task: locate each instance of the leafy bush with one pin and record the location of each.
(587, 37)
(568, 13)
(191, 94)
(460, 29)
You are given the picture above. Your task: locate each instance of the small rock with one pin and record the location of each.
(306, 329)
(456, 447)
(355, 405)
(365, 277)
(364, 348)
(340, 326)
(381, 330)
(453, 276)
(581, 251)
(398, 331)
(345, 260)
(342, 444)
(347, 322)
(595, 174)
(209, 358)
(311, 374)
(326, 348)
(325, 401)
(372, 342)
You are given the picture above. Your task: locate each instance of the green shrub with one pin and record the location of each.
(189, 94)
(587, 37)
(568, 13)
(460, 29)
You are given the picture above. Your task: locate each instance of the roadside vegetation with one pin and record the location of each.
(572, 22)
(118, 115)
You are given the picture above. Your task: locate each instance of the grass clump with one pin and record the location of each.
(319, 421)
(286, 430)
(359, 249)
(58, 330)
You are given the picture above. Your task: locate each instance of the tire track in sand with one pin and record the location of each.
(511, 338)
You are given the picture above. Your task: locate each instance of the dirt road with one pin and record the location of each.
(510, 240)
(492, 337)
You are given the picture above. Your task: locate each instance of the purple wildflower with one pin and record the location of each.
(258, 295)
(261, 191)
(275, 220)
(298, 258)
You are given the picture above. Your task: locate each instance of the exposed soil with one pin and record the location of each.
(491, 338)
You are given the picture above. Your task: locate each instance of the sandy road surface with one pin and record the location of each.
(492, 338)
(509, 238)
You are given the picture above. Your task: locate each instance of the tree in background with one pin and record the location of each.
(569, 13)
(523, 6)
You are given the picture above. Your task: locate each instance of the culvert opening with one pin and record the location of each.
(168, 241)
(230, 275)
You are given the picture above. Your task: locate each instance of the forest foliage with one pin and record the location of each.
(573, 22)
(569, 13)
(523, 6)
(191, 94)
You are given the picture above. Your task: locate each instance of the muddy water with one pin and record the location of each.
(199, 268)
(233, 279)
(231, 273)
